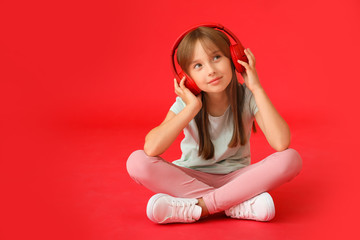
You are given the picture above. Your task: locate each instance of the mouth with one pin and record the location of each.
(215, 80)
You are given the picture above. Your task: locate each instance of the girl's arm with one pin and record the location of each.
(159, 139)
(274, 127)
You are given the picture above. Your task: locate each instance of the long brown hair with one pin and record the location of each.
(210, 38)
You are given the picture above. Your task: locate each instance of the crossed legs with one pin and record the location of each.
(217, 192)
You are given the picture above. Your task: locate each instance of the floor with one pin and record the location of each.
(89, 195)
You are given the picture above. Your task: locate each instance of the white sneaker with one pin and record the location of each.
(163, 208)
(259, 208)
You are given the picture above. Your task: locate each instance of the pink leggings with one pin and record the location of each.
(219, 191)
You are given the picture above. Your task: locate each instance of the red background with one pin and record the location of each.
(82, 82)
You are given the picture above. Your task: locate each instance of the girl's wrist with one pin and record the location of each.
(195, 106)
(257, 89)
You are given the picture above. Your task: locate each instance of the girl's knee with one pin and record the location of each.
(134, 161)
(138, 164)
(291, 162)
(296, 160)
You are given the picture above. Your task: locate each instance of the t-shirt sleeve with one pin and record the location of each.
(252, 104)
(178, 106)
(253, 107)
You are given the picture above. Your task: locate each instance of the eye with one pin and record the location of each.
(217, 57)
(197, 65)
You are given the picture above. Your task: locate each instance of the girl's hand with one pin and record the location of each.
(186, 95)
(250, 76)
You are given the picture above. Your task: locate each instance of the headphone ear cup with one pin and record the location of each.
(237, 53)
(189, 83)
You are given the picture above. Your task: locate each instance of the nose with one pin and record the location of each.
(211, 70)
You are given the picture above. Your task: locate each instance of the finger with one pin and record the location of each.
(176, 85)
(182, 83)
(177, 88)
(250, 56)
(244, 64)
(250, 52)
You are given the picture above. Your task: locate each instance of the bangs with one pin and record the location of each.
(209, 46)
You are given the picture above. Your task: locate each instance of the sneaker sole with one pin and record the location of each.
(150, 205)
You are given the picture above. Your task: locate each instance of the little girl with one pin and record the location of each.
(214, 172)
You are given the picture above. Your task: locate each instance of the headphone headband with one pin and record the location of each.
(212, 25)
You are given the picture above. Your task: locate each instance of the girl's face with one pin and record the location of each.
(212, 73)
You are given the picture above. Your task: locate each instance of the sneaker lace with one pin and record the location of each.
(182, 209)
(243, 210)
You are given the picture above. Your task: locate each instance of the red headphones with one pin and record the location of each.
(236, 50)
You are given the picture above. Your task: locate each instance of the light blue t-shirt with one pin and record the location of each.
(225, 159)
